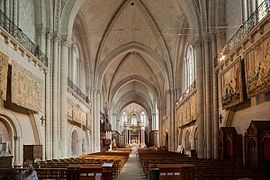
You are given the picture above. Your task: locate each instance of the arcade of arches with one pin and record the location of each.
(80, 76)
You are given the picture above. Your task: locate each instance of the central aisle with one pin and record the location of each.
(132, 169)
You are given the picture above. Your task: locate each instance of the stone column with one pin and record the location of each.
(129, 140)
(55, 110)
(91, 138)
(142, 137)
(199, 85)
(48, 102)
(63, 99)
(215, 97)
(139, 136)
(18, 152)
(154, 121)
(207, 83)
(97, 121)
(126, 137)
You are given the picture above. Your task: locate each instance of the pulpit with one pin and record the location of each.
(258, 145)
(230, 144)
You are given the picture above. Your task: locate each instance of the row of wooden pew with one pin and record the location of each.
(172, 166)
(102, 165)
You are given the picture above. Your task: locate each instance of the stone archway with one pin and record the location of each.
(74, 143)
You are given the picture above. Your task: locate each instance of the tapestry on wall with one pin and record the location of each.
(26, 88)
(3, 75)
(257, 68)
(231, 85)
(187, 111)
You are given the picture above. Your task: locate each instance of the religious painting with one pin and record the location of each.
(27, 89)
(3, 75)
(257, 68)
(231, 85)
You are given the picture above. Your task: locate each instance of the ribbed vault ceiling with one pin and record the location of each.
(132, 47)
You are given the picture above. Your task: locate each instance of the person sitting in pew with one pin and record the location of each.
(29, 174)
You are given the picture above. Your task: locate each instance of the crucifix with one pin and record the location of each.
(220, 118)
(42, 120)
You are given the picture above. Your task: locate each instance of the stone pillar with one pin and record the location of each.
(126, 137)
(18, 151)
(129, 137)
(63, 99)
(48, 102)
(154, 121)
(142, 137)
(55, 110)
(207, 83)
(199, 85)
(96, 120)
(171, 118)
(215, 97)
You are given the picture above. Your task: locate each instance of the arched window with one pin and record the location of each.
(123, 119)
(75, 65)
(134, 120)
(248, 7)
(143, 118)
(189, 66)
(76, 71)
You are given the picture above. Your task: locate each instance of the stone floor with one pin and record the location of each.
(132, 169)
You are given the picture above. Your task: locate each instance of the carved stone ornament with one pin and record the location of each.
(3, 75)
(27, 89)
